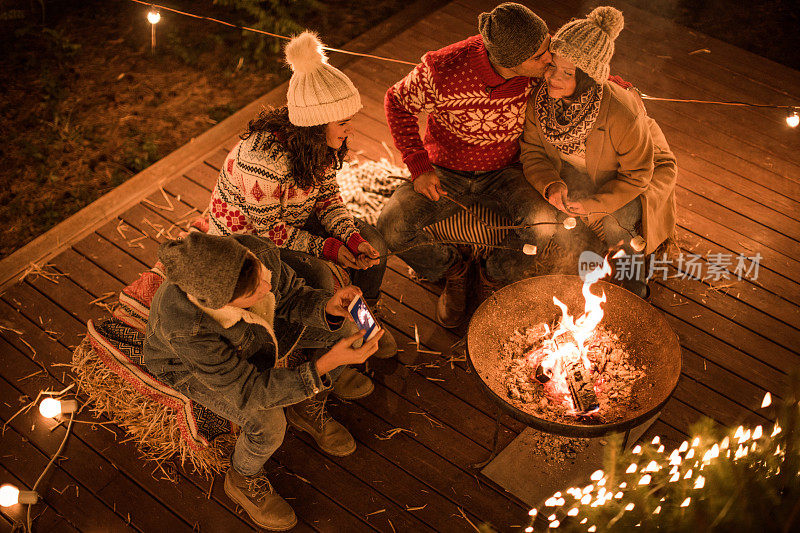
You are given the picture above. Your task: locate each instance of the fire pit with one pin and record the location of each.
(651, 345)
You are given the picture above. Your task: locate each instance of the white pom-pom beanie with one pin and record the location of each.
(589, 42)
(318, 92)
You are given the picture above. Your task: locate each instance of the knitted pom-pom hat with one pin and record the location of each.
(318, 93)
(589, 42)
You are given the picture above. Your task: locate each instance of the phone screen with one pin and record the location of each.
(363, 317)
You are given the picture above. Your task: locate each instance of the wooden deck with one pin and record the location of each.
(738, 192)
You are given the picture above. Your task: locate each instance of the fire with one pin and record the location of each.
(565, 362)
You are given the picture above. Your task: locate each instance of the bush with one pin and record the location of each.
(275, 16)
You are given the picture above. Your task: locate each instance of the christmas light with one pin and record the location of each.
(632, 468)
(572, 512)
(767, 400)
(657, 510)
(700, 482)
(11, 495)
(793, 119)
(696, 442)
(51, 408)
(637, 449)
(686, 502)
(597, 475)
(629, 507)
(757, 433)
(684, 446)
(645, 480)
(532, 512)
(554, 523)
(529, 529)
(153, 17)
(592, 529)
(656, 440)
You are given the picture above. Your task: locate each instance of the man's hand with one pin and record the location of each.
(368, 256)
(557, 196)
(428, 184)
(576, 208)
(343, 352)
(346, 258)
(337, 305)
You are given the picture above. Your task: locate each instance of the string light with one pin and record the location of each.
(153, 17)
(51, 408)
(793, 119)
(768, 397)
(11, 495)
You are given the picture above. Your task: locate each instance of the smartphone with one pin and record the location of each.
(363, 317)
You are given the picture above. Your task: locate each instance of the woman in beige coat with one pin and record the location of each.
(591, 150)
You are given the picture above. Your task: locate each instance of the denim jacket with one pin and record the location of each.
(181, 340)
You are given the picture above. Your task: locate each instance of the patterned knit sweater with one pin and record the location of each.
(256, 193)
(475, 116)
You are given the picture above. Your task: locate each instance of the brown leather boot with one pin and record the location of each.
(312, 417)
(452, 304)
(255, 495)
(352, 385)
(486, 285)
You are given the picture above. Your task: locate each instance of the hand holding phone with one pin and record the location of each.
(363, 317)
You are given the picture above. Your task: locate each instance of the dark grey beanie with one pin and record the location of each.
(511, 33)
(205, 266)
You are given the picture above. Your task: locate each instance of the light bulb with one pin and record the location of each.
(793, 119)
(11, 495)
(767, 400)
(51, 408)
(570, 223)
(153, 17)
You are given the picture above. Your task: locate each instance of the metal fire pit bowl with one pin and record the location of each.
(649, 340)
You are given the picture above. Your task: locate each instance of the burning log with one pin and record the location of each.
(580, 385)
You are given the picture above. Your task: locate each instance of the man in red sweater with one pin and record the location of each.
(474, 92)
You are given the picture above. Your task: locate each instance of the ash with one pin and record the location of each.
(612, 373)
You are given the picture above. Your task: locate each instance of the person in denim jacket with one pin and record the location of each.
(220, 331)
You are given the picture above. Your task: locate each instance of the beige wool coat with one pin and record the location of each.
(626, 156)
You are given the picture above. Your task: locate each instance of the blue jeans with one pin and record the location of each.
(262, 430)
(506, 190)
(318, 275)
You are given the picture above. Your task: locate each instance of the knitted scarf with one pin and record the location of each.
(565, 125)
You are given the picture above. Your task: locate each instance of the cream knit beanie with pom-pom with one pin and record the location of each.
(589, 42)
(318, 93)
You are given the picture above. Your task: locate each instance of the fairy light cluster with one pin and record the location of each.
(684, 465)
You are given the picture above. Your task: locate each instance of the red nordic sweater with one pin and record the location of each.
(475, 116)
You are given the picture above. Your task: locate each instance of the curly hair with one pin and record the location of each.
(306, 148)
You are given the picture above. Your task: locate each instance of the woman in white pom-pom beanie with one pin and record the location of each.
(590, 149)
(279, 182)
